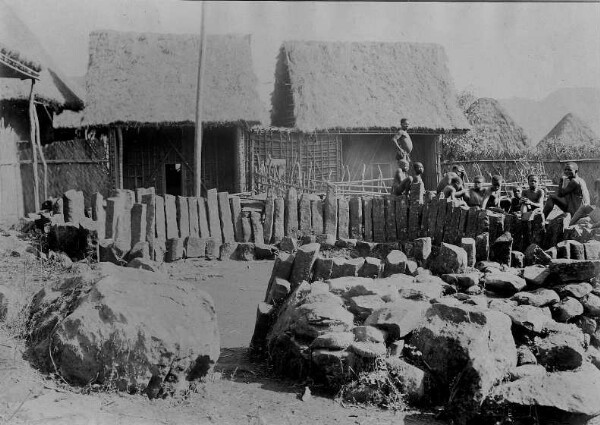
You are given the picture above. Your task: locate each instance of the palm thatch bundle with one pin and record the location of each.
(21, 46)
(498, 130)
(570, 131)
(68, 119)
(147, 79)
(352, 85)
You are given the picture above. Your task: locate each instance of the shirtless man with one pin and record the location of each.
(457, 170)
(476, 195)
(402, 141)
(455, 189)
(399, 176)
(572, 192)
(533, 197)
(493, 193)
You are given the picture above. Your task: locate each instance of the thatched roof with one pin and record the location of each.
(147, 79)
(571, 131)
(68, 119)
(348, 85)
(19, 43)
(499, 130)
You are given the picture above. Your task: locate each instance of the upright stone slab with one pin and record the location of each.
(150, 201)
(501, 248)
(124, 226)
(468, 244)
(268, 226)
(417, 193)
(214, 221)
(195, 247)
(356, 218)
(161, 221)
(316, 216)
(432, 214)
(282, 269)
(278, 220)
(448, 230)
(291, 213)
(305, 226)
(225, 217)
(462, 222)
(139, 193)
(236, 217)
(496, 223)
(402, 218)
(98, 214)
(203, 226)
(367, 204)
(414, 220)
(246, 227)
(138, 223)
(472, 220)
(114, 209)
(303, 264)
(257, 227)
(482, 246)
(343, 218)
(193, 216)
(330, 212)
(171, 217)
(73, 206)
(183, 216)
(390, 219)
(378, 219)
(440, 223)
(483, 222)
(556, 229)
(429, 196)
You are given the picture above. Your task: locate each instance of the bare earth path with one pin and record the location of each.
(240, 393)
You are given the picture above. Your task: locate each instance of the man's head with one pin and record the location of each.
(571, 170)
(517, 191)
(456, 182)
(497, 181)
(404, 124)
(478, 182)
(418, 167)
(533, 181)
(403, 164)
(460, 170)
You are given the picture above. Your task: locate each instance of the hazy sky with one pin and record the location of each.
(495, 49)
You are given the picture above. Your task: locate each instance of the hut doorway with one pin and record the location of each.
(173, 179)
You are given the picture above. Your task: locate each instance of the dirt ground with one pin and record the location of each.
(239, 392)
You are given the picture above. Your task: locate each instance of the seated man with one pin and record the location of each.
(493, 193)
(572, 192)
(533, 197)
(475, 196)
(457, 170)
(399, 176)
(515, 201)
(455, 189)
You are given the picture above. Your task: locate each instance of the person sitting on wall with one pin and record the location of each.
(572, 192)
(475, 196)
(402, 141)
(516, 199)
(400, 175)
(407, 183)
(457, 170)
(493, 195)
(533, 197)
(454, 190)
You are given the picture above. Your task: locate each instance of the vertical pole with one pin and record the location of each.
(32, 136)
(199, 98)
(119, 158)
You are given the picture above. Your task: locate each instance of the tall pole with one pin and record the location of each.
(199, 99)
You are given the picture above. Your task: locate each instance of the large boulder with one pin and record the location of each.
(575, 270)
(449, 259)
(524, 317)
(540, 297)
(398, 318)
(504, 282)
(574, 395)
(132, 329)
(469, 349)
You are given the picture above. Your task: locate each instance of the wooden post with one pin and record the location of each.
(32, 135)
(119, 158)
(198, 139)
(38, 142)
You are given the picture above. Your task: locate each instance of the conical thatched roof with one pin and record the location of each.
(337, 85)
(146, 79)
(571, 131)
(499, 130)
(53, 88)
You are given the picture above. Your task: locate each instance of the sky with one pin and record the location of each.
(498, 50)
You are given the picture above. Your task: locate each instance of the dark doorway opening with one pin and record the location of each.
(173, 179)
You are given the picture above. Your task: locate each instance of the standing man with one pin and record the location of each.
(572, 192)
(402, 141)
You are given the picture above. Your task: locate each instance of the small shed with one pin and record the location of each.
(141, 91)
(359, 91)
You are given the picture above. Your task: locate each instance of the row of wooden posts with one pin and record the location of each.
(137, 216)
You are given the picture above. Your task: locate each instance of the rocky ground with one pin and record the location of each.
(239, 392)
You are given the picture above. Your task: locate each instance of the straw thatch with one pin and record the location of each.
(68, 119)
(571, 131)
(146, 79)
(53, 88)
(499, 131)
(337, 85)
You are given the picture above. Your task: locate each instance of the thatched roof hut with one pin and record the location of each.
(21, 46)
(139, 79)
(366, 85)
(499, 130)
(571, 131)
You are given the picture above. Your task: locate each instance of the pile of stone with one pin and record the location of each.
(481, 338)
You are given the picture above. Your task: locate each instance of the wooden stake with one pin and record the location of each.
(32, 135)
(199, 99)
(119, 158)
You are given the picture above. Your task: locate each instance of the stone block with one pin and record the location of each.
(268, 226)
(288, 244)
(195, 247)
(316, 216)
(323, 268)
(213, 249)
(214, 220)
(483, 221)
(257, 227)
(73, 206)
(414, 220)
(98, 213)
(150, 201)
(246, 227)
(356, 218)
(390, 219)
(114, 209)
(343, 226)
(577, 250)
(203, 226)
(422, 249)
(500, 251)
(517, 259)
(367, 205)
(462, 222)
(346, 267)
(472, 219)
(139, 250)
(291, 213)
(175, 249)
(330, 212)
(245, 251)
(193, 217)
(161, 220)
(440, 222)
(304, 218)
(482, 247)
(371, 267)
(592, 250)
(402, 218)
(394, 263)
(496, 223)
(279, 291)
(303, 264)
(225, 218)
(138, 223)
(378, 214)
(417, 193)
(227, 250)
(278, 220)
(171, 217)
